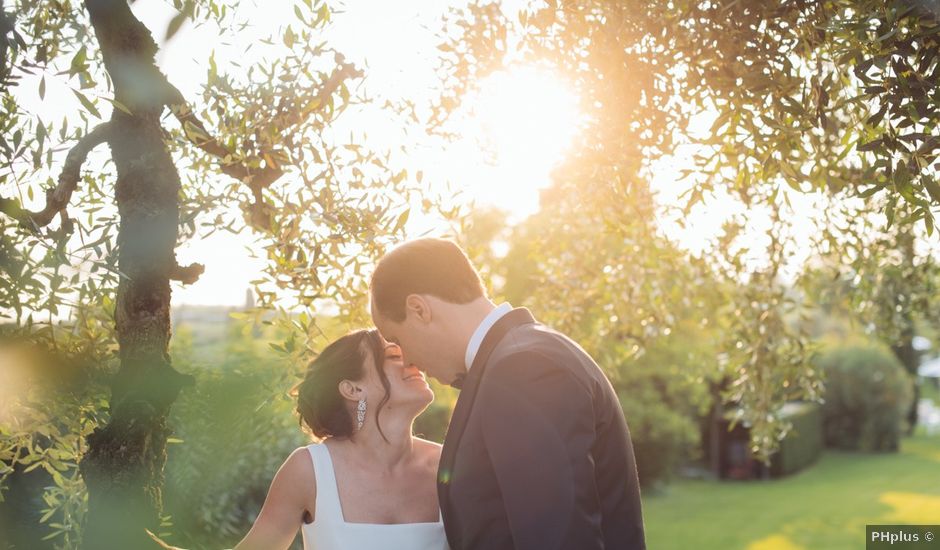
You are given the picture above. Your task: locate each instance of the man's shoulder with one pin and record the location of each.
(533, 351)
(535, 340)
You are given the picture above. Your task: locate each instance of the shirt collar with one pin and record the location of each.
(477, 338)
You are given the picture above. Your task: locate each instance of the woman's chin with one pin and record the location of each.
(429, 397)
(426, 396)
(423, 398)
(417, 400)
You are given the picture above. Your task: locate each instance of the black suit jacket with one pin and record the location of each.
(538, 455)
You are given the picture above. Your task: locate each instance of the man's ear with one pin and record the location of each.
(349, 390)
(416, 305)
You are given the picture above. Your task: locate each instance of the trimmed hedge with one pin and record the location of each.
(867, 393)
(803, 445)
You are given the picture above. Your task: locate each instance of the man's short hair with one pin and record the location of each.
(437, 267)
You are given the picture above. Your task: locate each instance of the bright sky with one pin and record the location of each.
(526, 117)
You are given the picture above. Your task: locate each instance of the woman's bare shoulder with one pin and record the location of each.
(298, 468)
(299, 455)
(295, 481)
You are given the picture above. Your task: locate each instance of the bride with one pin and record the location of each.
(370, 483)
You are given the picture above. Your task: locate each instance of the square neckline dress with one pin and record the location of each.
(330, 531)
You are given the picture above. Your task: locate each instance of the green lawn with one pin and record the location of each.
(824, 507)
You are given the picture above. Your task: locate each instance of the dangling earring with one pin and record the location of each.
(360, 413)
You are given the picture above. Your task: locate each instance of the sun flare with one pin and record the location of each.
(524, 119)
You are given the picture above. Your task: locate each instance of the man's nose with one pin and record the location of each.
(406, 361)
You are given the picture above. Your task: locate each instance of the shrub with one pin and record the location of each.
(662, 436)
(803, 443)
(664, 392)
(232, 430)
(867, 393)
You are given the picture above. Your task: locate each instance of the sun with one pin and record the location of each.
(525, 114)
(523, 120)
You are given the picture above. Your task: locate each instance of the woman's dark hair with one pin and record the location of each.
(424, 266)
(319, 403)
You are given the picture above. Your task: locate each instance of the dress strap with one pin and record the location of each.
(327, 504)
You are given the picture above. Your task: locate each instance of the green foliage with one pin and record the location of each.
(664, 391)
(867, 393)
(662, 436)
(53, 396)
(884, 280)
(234, 429)
(39, 455)
(765, 349)
(803, 443)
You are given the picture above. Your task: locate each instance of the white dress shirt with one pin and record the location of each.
(477, 338)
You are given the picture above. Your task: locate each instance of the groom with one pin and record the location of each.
(538, 455)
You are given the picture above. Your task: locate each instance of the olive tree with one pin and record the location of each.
(87, 271)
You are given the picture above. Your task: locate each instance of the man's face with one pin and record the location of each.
(415, 338)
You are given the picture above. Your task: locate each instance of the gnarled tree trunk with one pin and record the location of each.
(123, 467)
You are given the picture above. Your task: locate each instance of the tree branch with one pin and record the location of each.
(256, 179)
(58, 198)
(188, 274)
(6, 25)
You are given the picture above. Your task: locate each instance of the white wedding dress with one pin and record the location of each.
(329, 531)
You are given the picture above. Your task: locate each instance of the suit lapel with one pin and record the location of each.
(458, 422)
